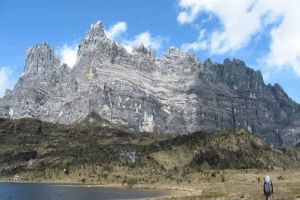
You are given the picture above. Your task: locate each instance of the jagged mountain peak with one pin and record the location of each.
(141, 51)
(96, 30)
(39, 59)
(97, 43)
(174, 51)
(239, 62)
(41, 49)
(140, 48)
(177, 54)
(97, 25)
(39, 46)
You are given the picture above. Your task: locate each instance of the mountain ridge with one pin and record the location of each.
(173, 94)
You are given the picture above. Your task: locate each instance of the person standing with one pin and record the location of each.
(268, 187)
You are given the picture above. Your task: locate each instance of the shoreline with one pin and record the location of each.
(207, 185)
(169, 191)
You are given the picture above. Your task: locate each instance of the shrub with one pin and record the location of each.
(213, 174)
(280, 178)
(222, 178)
(129, 181)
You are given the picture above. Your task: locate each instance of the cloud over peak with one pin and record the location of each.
(116, 30)
(145, 39)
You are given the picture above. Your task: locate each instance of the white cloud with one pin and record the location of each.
(6, 80)
(68, 54)
(116, 30)
(198, 45)
(241, 20)
(239, 23)
(146, 39)
(191, 10)
(285, 45)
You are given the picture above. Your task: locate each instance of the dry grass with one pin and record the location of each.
(245, 184)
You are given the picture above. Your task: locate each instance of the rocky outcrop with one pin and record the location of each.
(175, 94)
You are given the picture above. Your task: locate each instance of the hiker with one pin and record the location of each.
(268, 187)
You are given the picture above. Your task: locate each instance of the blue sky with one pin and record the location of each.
(265, 35)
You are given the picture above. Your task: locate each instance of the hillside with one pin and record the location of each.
(89, 152)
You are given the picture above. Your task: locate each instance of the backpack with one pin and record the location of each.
(268, 187)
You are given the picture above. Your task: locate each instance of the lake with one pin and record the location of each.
(25, 191)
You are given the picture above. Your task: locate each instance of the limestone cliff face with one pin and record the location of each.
(175, 94)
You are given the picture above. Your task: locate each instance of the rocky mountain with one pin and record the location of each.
(174, 94)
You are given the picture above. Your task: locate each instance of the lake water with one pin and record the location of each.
(20, 191)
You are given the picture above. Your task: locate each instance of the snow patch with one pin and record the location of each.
(252, 95)
(61, 113)
(249, 129)
(166, 109)
(148, 123)
(11, 112)
(105, 108)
